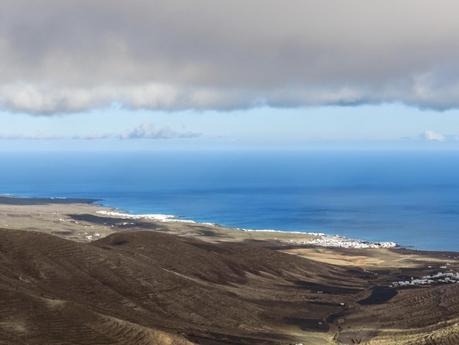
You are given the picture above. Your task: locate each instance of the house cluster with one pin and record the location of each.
(437, 278)
(343, 242)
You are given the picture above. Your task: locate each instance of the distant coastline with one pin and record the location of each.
(6, 199)
(321, 239)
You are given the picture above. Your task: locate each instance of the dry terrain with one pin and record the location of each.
(70, 276)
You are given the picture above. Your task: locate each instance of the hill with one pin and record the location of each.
(143, 287)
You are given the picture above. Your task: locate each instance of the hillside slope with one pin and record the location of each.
(152, 288)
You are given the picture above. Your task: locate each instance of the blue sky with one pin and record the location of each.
(386, 125)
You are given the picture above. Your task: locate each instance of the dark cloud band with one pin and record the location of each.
(67, 56)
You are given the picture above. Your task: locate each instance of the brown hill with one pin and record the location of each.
(152, 288)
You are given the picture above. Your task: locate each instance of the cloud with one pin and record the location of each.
(69, 56)
(143, 131)
(148, 131)
(433, 136)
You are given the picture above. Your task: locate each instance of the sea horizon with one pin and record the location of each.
(405, 197)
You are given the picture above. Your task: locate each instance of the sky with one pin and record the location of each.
(391, 126)
(112, 74)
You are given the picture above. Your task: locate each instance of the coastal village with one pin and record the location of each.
(437, 278)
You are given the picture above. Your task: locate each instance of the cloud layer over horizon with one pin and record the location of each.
(76, 55)
(143, 131)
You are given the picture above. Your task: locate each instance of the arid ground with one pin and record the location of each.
(69, 275)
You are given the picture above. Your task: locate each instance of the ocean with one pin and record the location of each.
(408, 197)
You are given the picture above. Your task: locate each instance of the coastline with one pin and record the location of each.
(8, 199)
(321, 239)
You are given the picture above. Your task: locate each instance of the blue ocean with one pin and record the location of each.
(408, 197)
